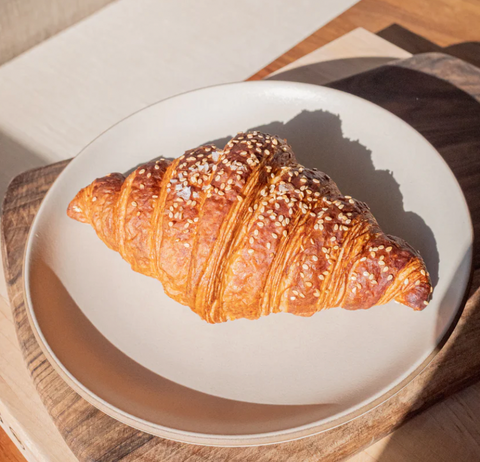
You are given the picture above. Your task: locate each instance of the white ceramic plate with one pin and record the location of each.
(133, 352)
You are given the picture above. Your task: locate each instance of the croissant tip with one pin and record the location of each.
(417, 297)
(76, 212)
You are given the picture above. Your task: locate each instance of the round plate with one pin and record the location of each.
(126, 347)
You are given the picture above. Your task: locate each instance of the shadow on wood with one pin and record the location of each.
(328, 71)
(442, 108)
(414, 43)
(449, 118)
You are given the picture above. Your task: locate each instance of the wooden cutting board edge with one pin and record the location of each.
(18, 196)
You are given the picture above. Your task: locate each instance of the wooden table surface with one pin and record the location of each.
(444, 22)
(454, 21)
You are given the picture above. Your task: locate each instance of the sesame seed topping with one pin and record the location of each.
(170, 223)
(363, 258)
(406, 281)
(94, 199)
(390, 277)
(316, 293)
(321, 277)
(250, 251)
(314, 258)
(156, 167)
(388, 249)
(269, 245)
(422, 272)
(134, 203)
(142, 171)
(308, 284)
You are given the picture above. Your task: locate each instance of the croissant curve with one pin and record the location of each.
(246, 231)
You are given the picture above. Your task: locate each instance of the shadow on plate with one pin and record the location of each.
(318, 141)
(116, 378)
(427, 93)
(449, 118)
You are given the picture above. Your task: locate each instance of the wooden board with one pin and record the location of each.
(445, 22)
(439, 96)
(21, 410)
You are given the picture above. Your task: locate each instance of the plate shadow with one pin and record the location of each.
(318, 141)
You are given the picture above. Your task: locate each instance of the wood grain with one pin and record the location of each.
(355, 52)
(19, 403)
(444, 22)
(8, 450)
(439, 96)
(21, 409)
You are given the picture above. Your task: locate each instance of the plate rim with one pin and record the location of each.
(243, 440)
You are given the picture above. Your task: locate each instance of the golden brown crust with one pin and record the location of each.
(245, 231)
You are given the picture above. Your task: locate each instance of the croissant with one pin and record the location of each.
(246, 231)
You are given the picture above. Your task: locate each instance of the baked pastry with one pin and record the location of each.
(246, 231)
